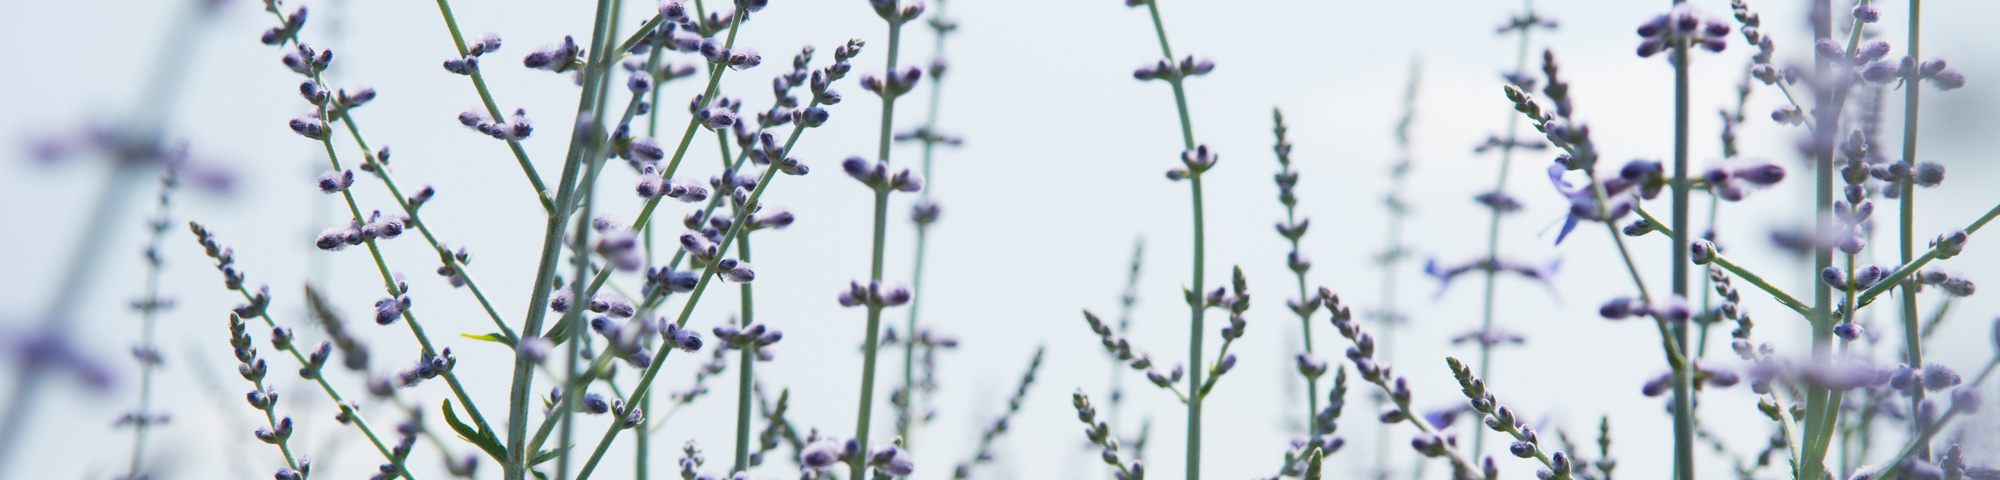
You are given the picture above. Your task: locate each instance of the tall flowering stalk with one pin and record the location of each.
(893, 83)
(1293, 228)
(142, 417)
(924, 213)
(1195, 159)
(1394, 252)
(136, 146)
(1498, 202)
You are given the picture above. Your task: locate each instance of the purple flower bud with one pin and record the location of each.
(821, 454)
(335, 181)
(1938, 377)
(1879, 72)
(1848, 331)
(896, 297)
(641, 82)
(535, 349)
(1835, 277)
(1675, 310)
(1929, 174)
(1872, 51)
(1965, 400)
(1658, 385)
(1701, 252)
(594, 404)
(1867, 14)
(1763, 175)
(1826, 48)
(462, 66)
(1948, 80)
(1865, 277)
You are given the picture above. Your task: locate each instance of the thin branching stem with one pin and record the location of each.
(517, 420)
(872, 343)
(149, 306)
(1194, 304)
(930, 137)
(1493, 221)
(493, 109)
(1912, 338)
(457, 268)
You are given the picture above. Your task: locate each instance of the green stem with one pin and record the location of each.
(923, 236)
(873, 342)
(1783, 298)
(745, 377)
(1194, 399)
(861, 422)
(639, 393)
(390, 284)
(1913, 340)
(493, 109)
(388, 180)
(1393, 254)
(1493, 227)
(354, 414)
(517, 419)
(1812, 465)
(1683, 379)
(149, 314)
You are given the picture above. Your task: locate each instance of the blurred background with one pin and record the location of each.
(1060, 174)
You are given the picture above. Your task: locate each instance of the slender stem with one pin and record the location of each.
(157, 98)
(517, 419)
(873, 341)
(493, 109)
(1493, 225)
(457, 268)
(149, 308)
(1683, 379)
(1194, 398)
(1913, 340)
(930, 139)
(1828, 108)
(391, 285)
(745, 377)
(639, 393)
(1891, 469)
(1783, 298)
(353, 414)
(1126, 302)
(866, 405)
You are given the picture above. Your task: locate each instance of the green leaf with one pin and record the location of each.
(547, 455)
(490, 337)
(539, 475)
(481, 438)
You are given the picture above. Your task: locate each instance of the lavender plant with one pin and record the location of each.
(1499, 203)
(911, 412)
(1393, 253)
(142, 417)
(137, 145)
(1195, 159)
(1845, 383)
